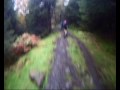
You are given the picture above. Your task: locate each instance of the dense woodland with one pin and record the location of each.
(32, 42)
(92, 15)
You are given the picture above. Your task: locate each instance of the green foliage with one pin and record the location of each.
(9, 15)
(101, 14)
(9, 38)
(72, 12)
(104, 53)
(9, 29)
(39, 18)
(77, 56)
(93, 14)
(80, 64)
(39, 58)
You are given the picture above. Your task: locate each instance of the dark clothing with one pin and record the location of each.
(63, 26)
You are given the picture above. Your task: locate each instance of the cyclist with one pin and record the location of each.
(64, 27)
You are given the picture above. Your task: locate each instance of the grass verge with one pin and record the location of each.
(39, 58)
(103, 51)
(79, 62)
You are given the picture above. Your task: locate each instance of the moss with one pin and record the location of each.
(80, 64)
(76, 55)
(104, 52)
(38, 58)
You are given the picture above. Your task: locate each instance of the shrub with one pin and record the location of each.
(24, 43)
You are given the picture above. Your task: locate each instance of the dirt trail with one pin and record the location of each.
(61, 67)
(90, 63)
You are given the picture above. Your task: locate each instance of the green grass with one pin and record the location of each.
(103, 51)
(79, 62)
(76, 55)
(39, 58)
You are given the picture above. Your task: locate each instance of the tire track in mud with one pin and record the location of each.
(62, 66)
(90, 63)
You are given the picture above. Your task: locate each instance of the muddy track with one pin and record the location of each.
(90, 63)
(61, 67)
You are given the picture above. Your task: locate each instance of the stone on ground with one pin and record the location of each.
(37, 77)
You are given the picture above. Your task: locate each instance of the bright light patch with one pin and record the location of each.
(41, 4)
(15, 8)
(21, 6)
(66, 2)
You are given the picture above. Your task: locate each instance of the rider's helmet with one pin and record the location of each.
(65, 21)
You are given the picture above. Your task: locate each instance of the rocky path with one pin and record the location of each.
(62, 67)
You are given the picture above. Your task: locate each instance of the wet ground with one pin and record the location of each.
(63, 67)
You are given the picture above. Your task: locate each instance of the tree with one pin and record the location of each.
(72, 12)
(39, 17)
(9, 29)
(96, 15)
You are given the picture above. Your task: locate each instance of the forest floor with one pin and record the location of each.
(63, 75)
(38, 58)
(75, 62)
(103, 52)
(64, 68)
(90, 63)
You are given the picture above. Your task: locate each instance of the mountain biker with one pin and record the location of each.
(64, 27)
